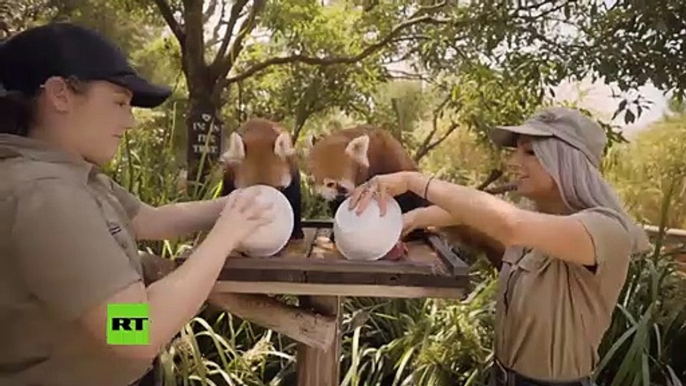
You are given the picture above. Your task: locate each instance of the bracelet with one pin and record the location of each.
(426, 187)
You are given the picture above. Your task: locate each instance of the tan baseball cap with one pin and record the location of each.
(569, 125)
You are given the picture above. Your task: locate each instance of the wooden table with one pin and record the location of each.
(313, 269)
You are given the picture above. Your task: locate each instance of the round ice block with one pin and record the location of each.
(367, 236)
(269, 239)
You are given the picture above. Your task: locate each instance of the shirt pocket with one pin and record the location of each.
(119, 230)
(534, 261)
(120, 234)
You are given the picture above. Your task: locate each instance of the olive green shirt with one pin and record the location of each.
(66, 244)
(551, 314)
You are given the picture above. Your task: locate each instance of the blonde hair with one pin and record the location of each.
(582, 186)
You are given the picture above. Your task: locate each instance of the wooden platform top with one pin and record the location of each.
(308, 266)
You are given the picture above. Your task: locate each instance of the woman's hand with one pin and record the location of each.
(241, 215)
(380, 187)
(411, 221)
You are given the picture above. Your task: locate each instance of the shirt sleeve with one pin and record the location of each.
(64, 250)
(611, 240)
(129, 201)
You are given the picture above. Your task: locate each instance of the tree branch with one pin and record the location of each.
(422, 150)
(411, 38)
(334, 59)
(236, 9)
(532, 18)
(370, 6)
(453, 126)
(430, 8)
(215, 32)
(168, 16)
(304, 108)
(224, 65)
(398, 74)
(534, 6)
(210, 10)
(355, 109)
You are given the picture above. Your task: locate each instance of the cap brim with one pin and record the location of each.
(507, 135)
(145, 94)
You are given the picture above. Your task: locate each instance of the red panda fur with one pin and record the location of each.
(251, 159)
(327, 158)
(260, 164)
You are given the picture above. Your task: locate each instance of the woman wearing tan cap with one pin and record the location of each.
(564, 263)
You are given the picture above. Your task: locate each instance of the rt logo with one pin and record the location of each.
(127, 324)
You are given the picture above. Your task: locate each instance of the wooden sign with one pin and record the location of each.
(204, 140)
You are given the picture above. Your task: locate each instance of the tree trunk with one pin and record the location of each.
(400, 121)
(203, 125)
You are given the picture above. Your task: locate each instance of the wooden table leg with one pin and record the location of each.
(317, 367)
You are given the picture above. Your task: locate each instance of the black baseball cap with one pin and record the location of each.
(29, 58)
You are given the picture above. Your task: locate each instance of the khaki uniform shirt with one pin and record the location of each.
(551, 315)
(66, 244)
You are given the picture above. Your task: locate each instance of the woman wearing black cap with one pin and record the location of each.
(68, 240)
(565, 262)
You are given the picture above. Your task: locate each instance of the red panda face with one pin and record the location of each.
(260, 157)
(334, 163)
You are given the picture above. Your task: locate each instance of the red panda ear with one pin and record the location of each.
(236, 151)
(283, 147)
(310, 140)
(357, 149)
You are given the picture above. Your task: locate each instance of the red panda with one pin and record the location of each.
(344, 159)
(261, 152)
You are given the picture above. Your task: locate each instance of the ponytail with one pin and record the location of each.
(16, 113)
(18, 110)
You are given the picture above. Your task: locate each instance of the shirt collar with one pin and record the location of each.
(12, 145)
